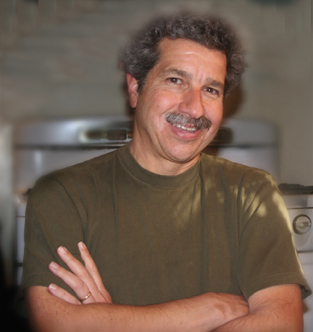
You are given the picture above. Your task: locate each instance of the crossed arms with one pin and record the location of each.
(277, 308)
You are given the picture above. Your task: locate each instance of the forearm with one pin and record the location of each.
(261, 323)
(172, 316)
(283, 313)
(113, 318)
(201, 313)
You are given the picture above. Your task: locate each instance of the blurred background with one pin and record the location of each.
(58, 58)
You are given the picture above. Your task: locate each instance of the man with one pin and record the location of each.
(182, 241)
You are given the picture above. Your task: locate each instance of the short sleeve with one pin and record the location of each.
(267, 252)
(52, 220)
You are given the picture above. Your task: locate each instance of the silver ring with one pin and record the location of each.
(86, 297)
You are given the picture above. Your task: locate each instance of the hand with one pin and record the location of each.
(84, 280)
(229, 306)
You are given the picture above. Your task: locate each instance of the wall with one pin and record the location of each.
(59, 58)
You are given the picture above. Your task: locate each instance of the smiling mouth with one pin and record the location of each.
(186, 123)
(183, 127)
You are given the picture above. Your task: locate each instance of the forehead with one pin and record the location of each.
(190, 56)
(185, 47)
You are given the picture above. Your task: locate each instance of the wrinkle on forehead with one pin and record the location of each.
(184, 51)
(191, 48)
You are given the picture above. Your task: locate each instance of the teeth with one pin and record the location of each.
(191, 129)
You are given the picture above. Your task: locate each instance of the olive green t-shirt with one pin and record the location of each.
(218, 227)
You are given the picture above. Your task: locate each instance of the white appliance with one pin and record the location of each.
(299, 202)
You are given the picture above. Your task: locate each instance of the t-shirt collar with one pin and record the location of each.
(153, 179)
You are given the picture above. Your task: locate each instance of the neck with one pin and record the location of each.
(158, 165)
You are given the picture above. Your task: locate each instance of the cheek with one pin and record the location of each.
(219, 116)
(164, 101)
(215, 114)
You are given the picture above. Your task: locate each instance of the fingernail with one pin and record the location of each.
(63, 250)
(53, 286)
(82, 245)
(54, 265)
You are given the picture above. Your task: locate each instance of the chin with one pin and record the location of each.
(184, 157)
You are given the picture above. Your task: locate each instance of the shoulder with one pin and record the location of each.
(233, 172)
(84, 170)
(236, 181)
(81, 177)
(88, 167)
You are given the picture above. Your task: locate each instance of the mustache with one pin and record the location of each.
(186, 119)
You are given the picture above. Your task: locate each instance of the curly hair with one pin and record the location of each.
(142, 54)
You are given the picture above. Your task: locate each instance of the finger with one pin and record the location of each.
(74, 282)
(93, 270)
(84, 278)
(62, 294)
(77, 268)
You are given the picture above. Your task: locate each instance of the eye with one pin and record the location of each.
(212, 91)
(174, 80)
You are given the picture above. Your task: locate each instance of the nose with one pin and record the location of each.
(192, 104)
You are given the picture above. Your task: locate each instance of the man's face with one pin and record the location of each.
(186, 84)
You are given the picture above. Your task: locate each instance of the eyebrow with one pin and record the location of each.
(185, 74)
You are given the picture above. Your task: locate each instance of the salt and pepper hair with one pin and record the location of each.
(143, 53)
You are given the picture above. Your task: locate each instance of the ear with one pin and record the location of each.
(132, 85)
